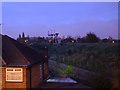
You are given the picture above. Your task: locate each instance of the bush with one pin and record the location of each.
(67, 71)
(92, 38)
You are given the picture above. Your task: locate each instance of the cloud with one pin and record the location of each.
(102, 28)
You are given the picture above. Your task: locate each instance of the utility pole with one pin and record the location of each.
(0, 28)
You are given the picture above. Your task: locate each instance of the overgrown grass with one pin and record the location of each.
(98, 57)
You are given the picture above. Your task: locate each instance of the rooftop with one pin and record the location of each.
(18, 54)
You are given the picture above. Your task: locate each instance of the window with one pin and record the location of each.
(14, 74)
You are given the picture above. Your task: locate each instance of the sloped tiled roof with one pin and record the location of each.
(18, 54)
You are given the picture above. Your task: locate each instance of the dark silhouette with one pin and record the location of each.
(23, 35)
(92, 38)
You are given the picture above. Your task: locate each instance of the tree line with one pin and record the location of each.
(89, 38)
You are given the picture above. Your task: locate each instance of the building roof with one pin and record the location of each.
(15, 53)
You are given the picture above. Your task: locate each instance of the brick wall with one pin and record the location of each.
(28, 77)
(2, 74)
(46, 71)
(36, 77)
(6, 84)
(0, 77)
(36, 73)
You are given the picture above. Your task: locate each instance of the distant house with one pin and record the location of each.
(21, 66)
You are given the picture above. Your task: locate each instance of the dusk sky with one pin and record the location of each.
(68, 18)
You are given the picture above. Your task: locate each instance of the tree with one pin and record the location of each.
(19, 36)
(83, 39)
(92, 38)
(23, 35)
(79, 40)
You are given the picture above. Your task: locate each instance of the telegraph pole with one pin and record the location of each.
(0, 28)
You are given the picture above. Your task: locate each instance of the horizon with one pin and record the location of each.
(67, 18)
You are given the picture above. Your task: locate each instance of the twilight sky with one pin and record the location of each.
(68, 18)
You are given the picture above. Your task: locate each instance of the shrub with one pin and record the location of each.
(67, 71)
(92, 38)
